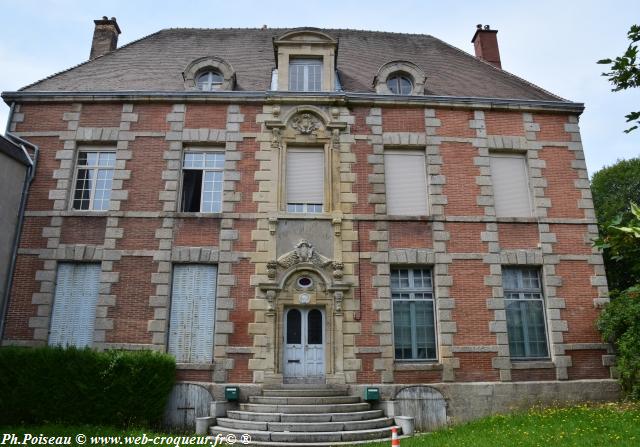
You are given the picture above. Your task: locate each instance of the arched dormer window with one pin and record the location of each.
(209, 74)
(400, 78)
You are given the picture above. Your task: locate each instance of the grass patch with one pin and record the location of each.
(615, 424)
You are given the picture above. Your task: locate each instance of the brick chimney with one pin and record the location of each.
(485, 42)
(105, 37)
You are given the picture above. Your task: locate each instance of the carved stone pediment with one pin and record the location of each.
(303, 252)
(305, 123)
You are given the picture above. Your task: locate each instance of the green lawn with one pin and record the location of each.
(580, 426)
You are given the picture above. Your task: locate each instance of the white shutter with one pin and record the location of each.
(192, 313)
(74, 304)
(305, 176)
(406, 183)
(510, 185)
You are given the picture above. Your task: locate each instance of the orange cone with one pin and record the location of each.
(394, 437)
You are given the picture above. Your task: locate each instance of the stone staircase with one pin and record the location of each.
(319, 416)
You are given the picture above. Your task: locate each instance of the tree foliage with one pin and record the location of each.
(625, 72)
(614, 188)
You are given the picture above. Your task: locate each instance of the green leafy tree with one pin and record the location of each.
(619, 323)
(625, 72)
(614, 188)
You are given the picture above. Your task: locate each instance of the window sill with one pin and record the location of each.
(316, 216)
(532, 364)
(411, 366)
(198, 214)
(195, 366)
(89, 213)
(403, 217)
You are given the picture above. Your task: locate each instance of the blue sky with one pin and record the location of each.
(554, 44)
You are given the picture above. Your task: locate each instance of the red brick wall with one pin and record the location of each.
(244, 242)
(403, 120)
(461, 189)
(193, 375)
(195, 232)
(476, 367)
(360, 124)
(587, 364)
(151, 117)
(514, 236)
(362, 168)
(242, 292)
(146, 166)
(211, 116)
(367, 374)
(132, 292)
(417, 376)
(247, 184)
(455, 123)
(39, 118)
(578, 294)
(20, 307)
(139, 233)
(560, 187)
(100, 115)
(249, 124)
(83, 230)
(410, 235)
(38, 199)
(368, 316)
(465, 237)
(240, 372)
(570, 239)
(504, 123)
(471, 313)
(552, 127)
(533, 375)
(32, 232)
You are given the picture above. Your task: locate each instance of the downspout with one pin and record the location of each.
(31, 172)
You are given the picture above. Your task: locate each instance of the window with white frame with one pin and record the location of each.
(94, 178)
(305, 75)
(405, 177)
(74, 304)
(202, 181)
(510, 180)
(305, 180)
(524, 303)
(414, 328)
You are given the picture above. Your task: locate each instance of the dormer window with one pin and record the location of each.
(209, 80)
(399, 84)
(305, 75)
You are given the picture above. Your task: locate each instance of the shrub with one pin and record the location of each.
(82, 386)
(620, 325)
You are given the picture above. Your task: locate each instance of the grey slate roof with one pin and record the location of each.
(156, 63)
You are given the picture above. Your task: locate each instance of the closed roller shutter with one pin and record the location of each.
(510, 186)
(193, 299)
(406, 183)
(305, 176)
(74, 305)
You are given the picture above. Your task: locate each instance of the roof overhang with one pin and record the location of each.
(298, 98)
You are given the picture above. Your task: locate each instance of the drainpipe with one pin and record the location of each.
(31, 172)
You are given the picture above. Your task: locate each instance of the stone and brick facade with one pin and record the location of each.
(144, 234)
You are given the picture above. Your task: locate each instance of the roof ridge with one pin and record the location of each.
(509, 74)
(89, 60)
(293, 28)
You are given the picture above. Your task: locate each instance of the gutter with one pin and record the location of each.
(342, 98)
(31, 172)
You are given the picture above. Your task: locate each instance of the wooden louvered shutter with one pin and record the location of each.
(406, 183)
(192, 313)
(510, 185)
(305, 176)
(74, 305)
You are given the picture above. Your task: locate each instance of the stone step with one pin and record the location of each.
(304, 400)
(303, 392)
(304, 418)
(304, 426)
(322, 444)
(306, 438)
(306, 409)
